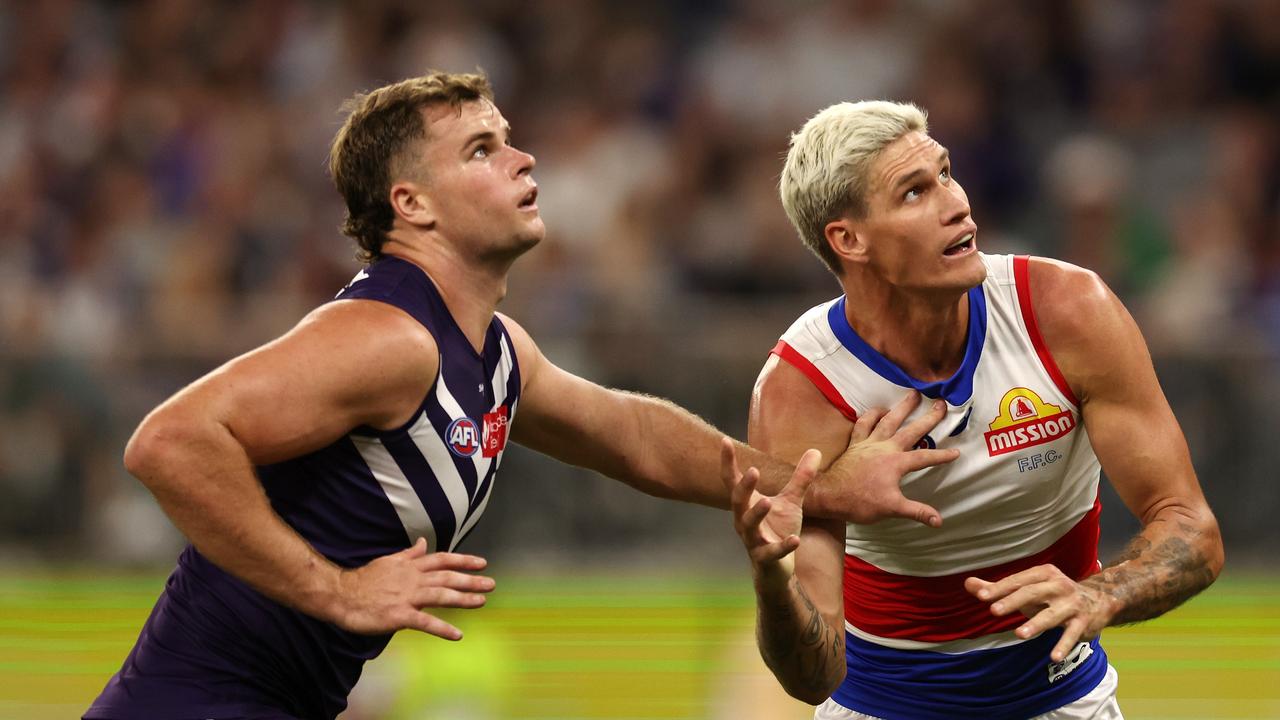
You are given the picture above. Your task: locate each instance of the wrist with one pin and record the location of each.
(815, 500)
(774, 577)
(1110, 605)
(324, 595)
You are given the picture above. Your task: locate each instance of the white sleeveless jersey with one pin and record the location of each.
(1023, 492)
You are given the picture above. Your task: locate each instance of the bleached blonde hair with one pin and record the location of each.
(825, 176)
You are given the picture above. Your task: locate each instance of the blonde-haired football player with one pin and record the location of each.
(991, 605)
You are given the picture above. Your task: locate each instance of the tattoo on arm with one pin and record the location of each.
(1150, 579)
(797, 643)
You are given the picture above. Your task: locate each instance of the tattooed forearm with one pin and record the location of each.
(1151, 578)
(802, 650)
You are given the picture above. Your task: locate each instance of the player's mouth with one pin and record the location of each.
(530, 200)
(963, 244)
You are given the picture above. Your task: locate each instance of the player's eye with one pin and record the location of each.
(480, 152)
(911, 194)
(945, 175)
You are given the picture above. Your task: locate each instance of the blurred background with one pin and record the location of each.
(164, 206)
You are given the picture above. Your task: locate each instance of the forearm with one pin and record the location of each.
(677, 455)
(1176, 555)
(203, 480)
(805, 653)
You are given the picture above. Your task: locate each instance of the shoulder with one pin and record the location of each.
(528, 356)
(385, 337)
(521, 341)
(1071, 303)
(1084, 325)
(788, 412)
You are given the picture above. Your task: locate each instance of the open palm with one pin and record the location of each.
(768, 525)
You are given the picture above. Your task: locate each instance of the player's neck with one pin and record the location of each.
(924, 334)
(470, 290)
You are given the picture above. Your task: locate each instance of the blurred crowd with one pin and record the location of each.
(164, 204)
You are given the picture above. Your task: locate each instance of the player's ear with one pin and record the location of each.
(411, 203)
(845, 240)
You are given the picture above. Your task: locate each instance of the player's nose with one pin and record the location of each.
(957, 207)
(524, 162)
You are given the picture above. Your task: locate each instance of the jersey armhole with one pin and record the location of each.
(1022, 281)
(789, 355)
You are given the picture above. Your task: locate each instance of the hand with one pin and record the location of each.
(1050, 599)
(390, 593)
(864, 485)
(769, 526)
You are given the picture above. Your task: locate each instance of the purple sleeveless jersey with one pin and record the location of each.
(215, 648)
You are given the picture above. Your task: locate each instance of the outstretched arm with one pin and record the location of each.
(1179, 552)
(348, 364)
(663, 450)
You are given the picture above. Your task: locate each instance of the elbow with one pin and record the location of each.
(149, 450)
(1214, 552)
(816, 693)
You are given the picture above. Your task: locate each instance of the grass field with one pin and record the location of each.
(616, 647)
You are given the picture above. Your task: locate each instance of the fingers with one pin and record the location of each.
(451, 561)
(460, 581)
(911, 433)
(774, 552)
(430, 624)
(921, 459)
(806, 471)
(1071, 635)
(729, 472)
(416, 550)
(741, 492)
(865, 423)
(918, 511)
(755, 515)
(976, 585)
(888, 426)
(1043, 618)
(991, 592)
(1030, 599)
(438, 597)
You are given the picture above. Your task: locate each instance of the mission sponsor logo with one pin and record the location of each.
(1026, 421)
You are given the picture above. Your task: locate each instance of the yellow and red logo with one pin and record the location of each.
(1025, 421)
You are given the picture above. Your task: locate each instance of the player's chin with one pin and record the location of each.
(963, 273)
(533, 234)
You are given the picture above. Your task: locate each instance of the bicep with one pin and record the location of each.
(573, 420)
(1103, 355)
(565, 416)
(346, 365)
(1136, 436)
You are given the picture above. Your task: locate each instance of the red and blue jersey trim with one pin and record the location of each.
(793, 357)
(1022, 281)
(939, 609)
(956, 389)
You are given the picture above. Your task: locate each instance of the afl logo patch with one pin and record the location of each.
(463, 437)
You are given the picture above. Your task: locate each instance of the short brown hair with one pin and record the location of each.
(380, 125)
